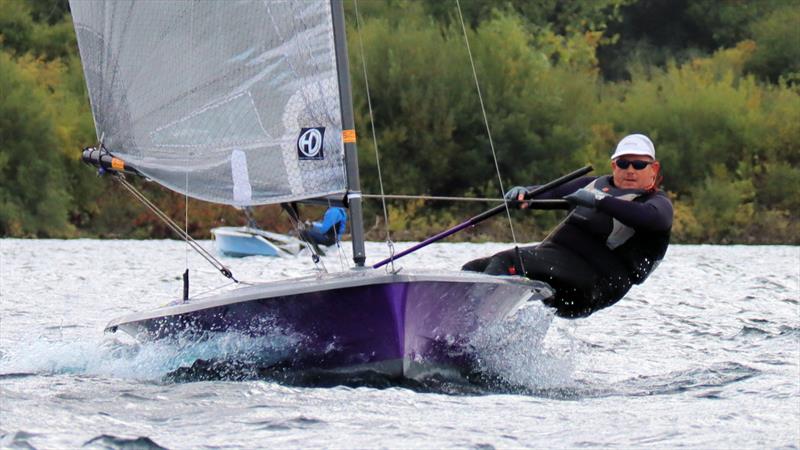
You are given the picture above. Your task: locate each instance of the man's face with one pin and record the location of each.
(630, 178)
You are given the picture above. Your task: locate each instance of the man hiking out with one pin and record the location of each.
(614, 237)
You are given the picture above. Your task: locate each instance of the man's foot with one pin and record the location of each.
(313, 247)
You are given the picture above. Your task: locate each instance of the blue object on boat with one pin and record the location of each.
(246, 241)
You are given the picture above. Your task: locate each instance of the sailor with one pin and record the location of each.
(330, 230)
(614, 237)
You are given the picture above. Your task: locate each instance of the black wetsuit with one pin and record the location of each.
(594, 256)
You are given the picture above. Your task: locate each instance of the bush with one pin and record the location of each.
(777, 36)
(778, 187)
(723, 207)
(33, 191)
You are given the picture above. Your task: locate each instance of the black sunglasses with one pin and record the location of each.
(637, 164)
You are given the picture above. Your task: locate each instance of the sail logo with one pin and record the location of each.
(310, 143)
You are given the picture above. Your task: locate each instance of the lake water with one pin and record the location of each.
(705, 354)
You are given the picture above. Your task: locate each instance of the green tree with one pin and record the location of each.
(428, 115)
(16, 26)
(561, 17)
(33, 196)
(39, 27)
(654, 32)
(723, 206)
(777, 37)
(49, 12)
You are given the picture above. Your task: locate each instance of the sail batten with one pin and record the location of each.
(211, 91)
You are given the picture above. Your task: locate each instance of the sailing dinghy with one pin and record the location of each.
(248, 241)
(249, 103)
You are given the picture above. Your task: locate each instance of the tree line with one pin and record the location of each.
(715, 85)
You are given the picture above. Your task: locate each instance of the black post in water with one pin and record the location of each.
(348, 134)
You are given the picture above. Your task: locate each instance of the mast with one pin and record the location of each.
(348, 134)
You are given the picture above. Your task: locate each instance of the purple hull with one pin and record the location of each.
(397, 324)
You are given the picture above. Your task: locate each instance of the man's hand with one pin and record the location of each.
(585, 197)
(518, 193)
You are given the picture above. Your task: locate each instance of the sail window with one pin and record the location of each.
(242, 190)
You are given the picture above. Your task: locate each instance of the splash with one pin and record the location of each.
(120, 357)
(510, 353)
(513, 352)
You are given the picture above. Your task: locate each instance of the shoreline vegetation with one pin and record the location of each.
(715, 85)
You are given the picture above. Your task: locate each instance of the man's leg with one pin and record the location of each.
(503, 263)
(477, 265)
(568, 274)
(508, 262)
(312, 237)
(579, 289)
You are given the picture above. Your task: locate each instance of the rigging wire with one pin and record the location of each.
(186, 190)
(174, 227)
(489, 135)
(343, 264)
(214, 289)
(434, 198)
(389, 242)
(298, 227)
(486, 123)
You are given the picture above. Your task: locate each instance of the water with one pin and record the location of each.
(705, 354)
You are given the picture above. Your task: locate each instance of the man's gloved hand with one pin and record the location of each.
(514, 193)
(585, 197)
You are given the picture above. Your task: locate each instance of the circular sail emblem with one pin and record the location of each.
(310, 143)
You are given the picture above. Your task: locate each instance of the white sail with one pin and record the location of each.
(232, 101)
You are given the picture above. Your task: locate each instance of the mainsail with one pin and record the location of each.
(233, 102)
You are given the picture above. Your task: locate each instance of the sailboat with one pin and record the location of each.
(249, 103)
(250, 240)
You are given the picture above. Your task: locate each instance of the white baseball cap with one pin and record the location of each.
(635, 144)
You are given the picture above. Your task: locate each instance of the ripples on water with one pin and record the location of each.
(705, 354)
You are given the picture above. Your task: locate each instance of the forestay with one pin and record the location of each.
(233, 102)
